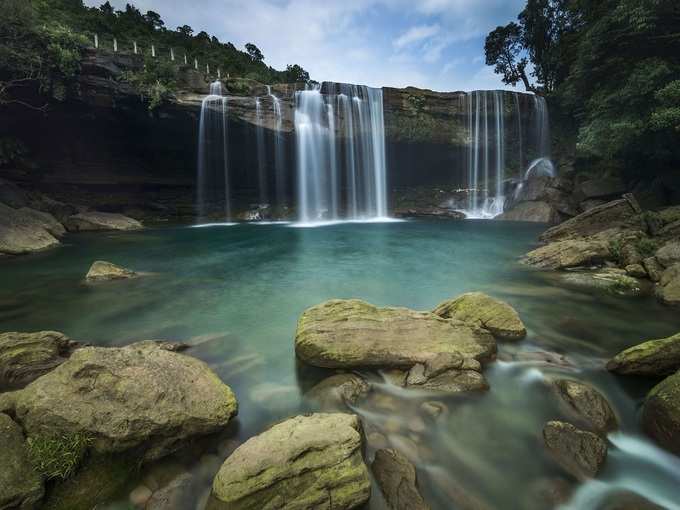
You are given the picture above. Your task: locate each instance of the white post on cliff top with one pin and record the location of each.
(115, 45)
(185, 59)
(134, 45)
(196, 64)
(172, 54)
(207, 69)
(153, 50)
(96, 41)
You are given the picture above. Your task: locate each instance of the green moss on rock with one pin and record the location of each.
(652, 358)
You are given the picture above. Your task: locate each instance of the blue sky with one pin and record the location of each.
(435, 44)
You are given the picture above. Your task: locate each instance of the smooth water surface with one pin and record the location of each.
(235, 293)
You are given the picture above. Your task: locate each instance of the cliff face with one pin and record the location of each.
(104, 138)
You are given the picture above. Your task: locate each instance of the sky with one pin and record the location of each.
(434, 44)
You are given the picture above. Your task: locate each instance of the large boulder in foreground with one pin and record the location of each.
(312, 461)
(497, 317)
(100, 270)
(578, 452)
(140, 396)
(26, 356)
(661, 413)
(654, 358)
(20, 485)
(587, 405)
(396, 476)
(350, 333)
(23, 232)
(94, 220)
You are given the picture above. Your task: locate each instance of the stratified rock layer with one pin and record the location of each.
(352, 333)
(312, 461)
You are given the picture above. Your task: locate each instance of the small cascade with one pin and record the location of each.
(487, 147)
(261, 155)
(334, 182)
(279, 157)
(213, 193)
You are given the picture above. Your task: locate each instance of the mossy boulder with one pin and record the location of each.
(661, 413)
(569, 253)
(580, 453)
(350, 333)
(101, 270)
(668, 288)
(312, 461)
(22, 232)
(95, 220)
(653, 358)
(587, 405)
(20, 484)
(26, 356)
(498, 317)
(141, 396)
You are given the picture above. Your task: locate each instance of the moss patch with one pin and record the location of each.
(58, 457)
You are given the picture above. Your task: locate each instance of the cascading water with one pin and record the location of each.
(213, 191)
(279, 162)
(332, 183)
(261, 155)
(486, 148)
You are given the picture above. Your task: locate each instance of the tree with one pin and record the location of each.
(154, 20)
(185, 30)
(504, 51)
(295, 74)
(254, 52)
(106, 9)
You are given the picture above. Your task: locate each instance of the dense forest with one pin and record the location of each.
(42, 41)
(610, 70)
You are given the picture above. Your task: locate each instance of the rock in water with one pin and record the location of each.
(447, 373)
(352, 333)
(568, 253)
(653, 358)
(47, 221)
(661, 413)
(496, 316)
(20, 485)
(139, 396)
(335, 392)
(580, 453)
(396, 477)
(587, 404)
(21, 232)
(312, 461)
(539, 212)
(101, 270)
(668, 289)
(26, 356)
(94, 220)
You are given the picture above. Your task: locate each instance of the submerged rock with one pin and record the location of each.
(496, 316)
(653, 358)
(661, 413)
(587, 404)
(22, 232)
(353, 333)
(20, 485)
(26, 356)
(94, 220)
(140, 396)
(101, 270)
(627, 500)
(338, 390)
(612, 280)
(668, 288)
(397, 479)
(312, 461)
(447, 373)
(578, 452)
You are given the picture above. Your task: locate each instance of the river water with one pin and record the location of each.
(235, 292)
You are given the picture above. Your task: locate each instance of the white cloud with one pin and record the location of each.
(416, 34)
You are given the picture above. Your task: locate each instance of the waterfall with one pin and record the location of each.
(213, 191)
(279, 162)
(486, 148)
(261, 154)
(332, 183)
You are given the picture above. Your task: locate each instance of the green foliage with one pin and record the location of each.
(156, 82)
(646, 247)
(613, 66)
(58, 457)
(616, 250)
